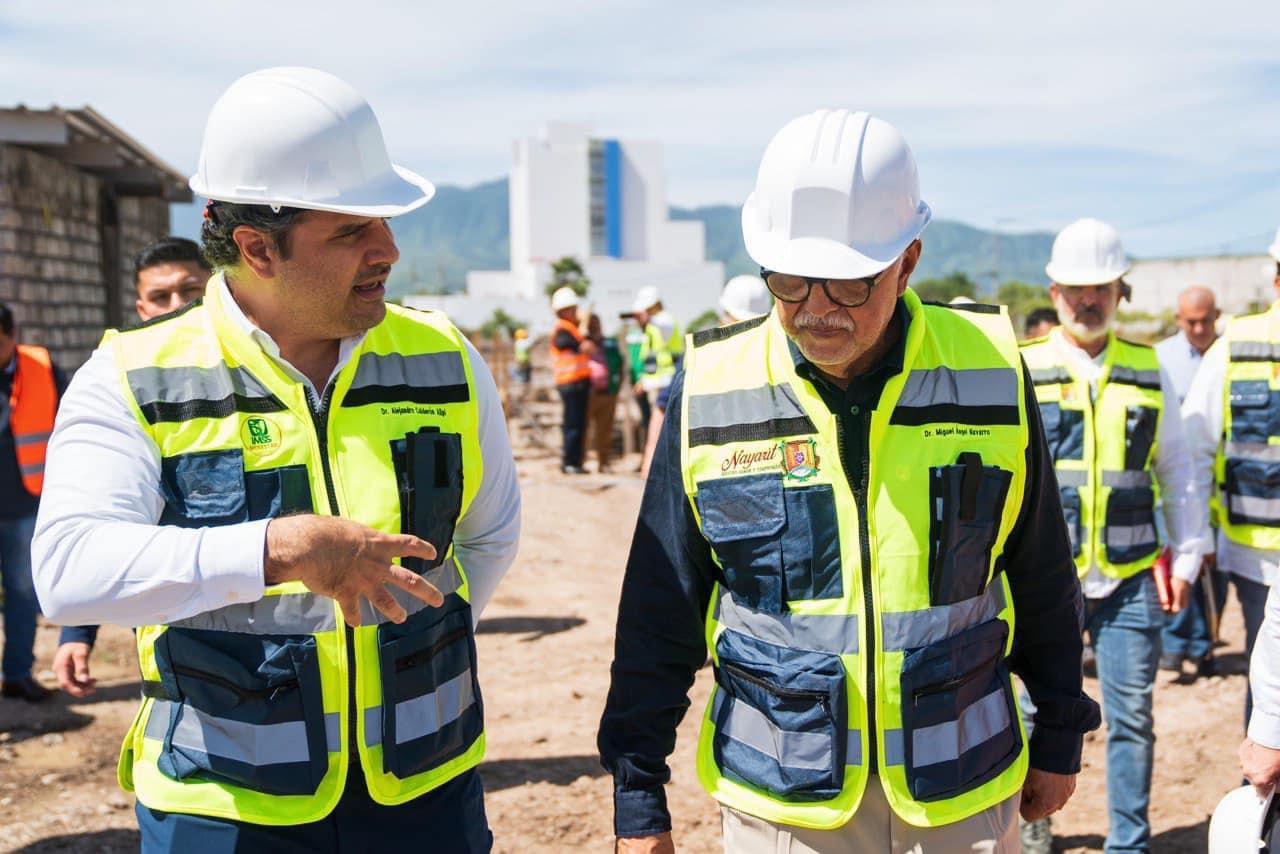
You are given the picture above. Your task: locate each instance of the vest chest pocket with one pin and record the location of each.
(958, 713)
(428, 466)
(781, 718)
(242, 709)
(967, 500)
(1252, 412)
(1251, 487)
(1139, 435)
(1063, 431)
(431, 710)
(1130, 524)
(210, 488)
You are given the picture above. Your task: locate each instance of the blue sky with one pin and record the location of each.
(1161, 118)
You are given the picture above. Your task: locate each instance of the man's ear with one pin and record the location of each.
(910, 259)
(257, 251)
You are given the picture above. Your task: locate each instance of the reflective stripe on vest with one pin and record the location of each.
(176, 394)
(395, 378)
(977, 396)
(744, 415)
(252, 744)
(424, 715)
(33, 401)
(748, 726)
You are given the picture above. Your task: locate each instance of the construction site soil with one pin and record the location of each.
(545, 644)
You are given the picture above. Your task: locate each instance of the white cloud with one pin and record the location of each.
(1027, 113)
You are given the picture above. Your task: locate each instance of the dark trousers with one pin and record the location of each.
(450, 818)
(1252, 596)
(1186, 633)
(574, 425)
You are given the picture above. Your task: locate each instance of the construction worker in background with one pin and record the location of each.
(571, 364)
(635, 374)
(242, 478)
(660, 354)
(524, 365)
(1111, 421)
(1232, 411)
(606, 380)
(31, 387)
(1039, 322)
(167, 274)
(1186, 634)
(850, 500)
(743, 298)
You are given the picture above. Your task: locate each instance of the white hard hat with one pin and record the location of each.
(1274, 249)
(1087, 252)
(837, 196)
(1238, 822)
(564, 297)
(646, 298)
(962, 300)
(302, 138)
(745, 297)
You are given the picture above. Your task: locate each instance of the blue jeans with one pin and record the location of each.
(1253, 603)
(450, 818)
(1125, 628)
(1186, 633)
(20, 604)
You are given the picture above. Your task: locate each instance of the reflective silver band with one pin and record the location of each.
(1131, 536)
(833, 633)
(1072, 477)
(1254, 507)
(252, 744)
(1126, 479)
(743, 406)
(904, 630)
(1128, 376)
(1050, 376)
(152, 385)
(447, 578)
(977, 387)
(1260, 451)
(422, 370)
(31, 468)
(30, 439)
(283, 614)
(749, 726)
(424, 715)
(1254, 351)
(947, 742)
(895, 751)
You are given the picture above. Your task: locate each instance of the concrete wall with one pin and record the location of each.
(66, 249)
(1238, 281)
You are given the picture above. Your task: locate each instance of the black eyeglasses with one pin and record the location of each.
(849, 293)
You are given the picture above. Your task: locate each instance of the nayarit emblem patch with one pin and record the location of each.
(800, 459)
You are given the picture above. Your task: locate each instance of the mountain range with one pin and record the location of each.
(466, 228)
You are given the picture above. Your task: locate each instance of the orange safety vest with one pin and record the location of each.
(569, 366)
(33, 400)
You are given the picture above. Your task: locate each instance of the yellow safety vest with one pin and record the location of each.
(248, 709)
(1247, 467)
(658, 355)
(1103, 447)
(861, 619)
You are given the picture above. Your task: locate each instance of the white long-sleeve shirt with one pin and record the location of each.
(1185, 512)
(1202, 414)
(100, 556)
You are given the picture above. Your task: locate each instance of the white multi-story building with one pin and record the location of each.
(603, 202)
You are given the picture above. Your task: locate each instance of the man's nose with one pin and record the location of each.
(384, 249)
(818, 302)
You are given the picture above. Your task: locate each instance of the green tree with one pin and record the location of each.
(568, 271)
(1022, 299)
(500, 321)
(945, 288)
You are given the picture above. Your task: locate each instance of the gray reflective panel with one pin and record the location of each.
(431, 712)
(834, 633)
(1130, 536)
(1255, 507)
(31, 439)
(749, 726)
(285, 614)
(1049, 376)
(187, 384)
(743, 406)
(333, 732)
(853, 748)
(1254, 351)
(422, 370)
(158, 720)
(914, 629)
(373, 726)
(1128, 376)
(895, 751)
(1071, 477)
(447, 578)
(31, 468)
(946, 742)
(1125, 479)
(978, 387)
(1260, 451)
(253, 744)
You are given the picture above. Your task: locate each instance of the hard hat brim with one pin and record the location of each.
(393, 194)
(1069, 278)
(822, 257)
(1274, 251)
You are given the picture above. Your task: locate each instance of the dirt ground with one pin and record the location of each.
(545, 645)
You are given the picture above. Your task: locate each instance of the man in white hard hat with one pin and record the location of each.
(571, 366)
(660, 354)
(849, 502)
(744, 298)
(281, 486)
(1232, 412)
(1111, 421)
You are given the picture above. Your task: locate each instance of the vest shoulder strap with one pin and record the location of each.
(720, 333)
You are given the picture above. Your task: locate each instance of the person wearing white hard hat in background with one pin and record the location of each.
(571, 366)
(282, 487)
(1111, 420)
(744, 298)
(1233, 416)
(660, 353)
(850, 501)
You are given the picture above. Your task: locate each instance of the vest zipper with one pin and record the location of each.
(320, 420)
(413, 660)
(268, 693)
(767, 686)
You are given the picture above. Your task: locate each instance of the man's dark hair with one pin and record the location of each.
(1037, 316)
(222, 218)
(167, 250)
(6, 319)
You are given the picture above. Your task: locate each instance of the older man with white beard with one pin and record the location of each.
(1111, 419)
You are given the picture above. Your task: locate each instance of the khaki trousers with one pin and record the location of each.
(876, 829)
